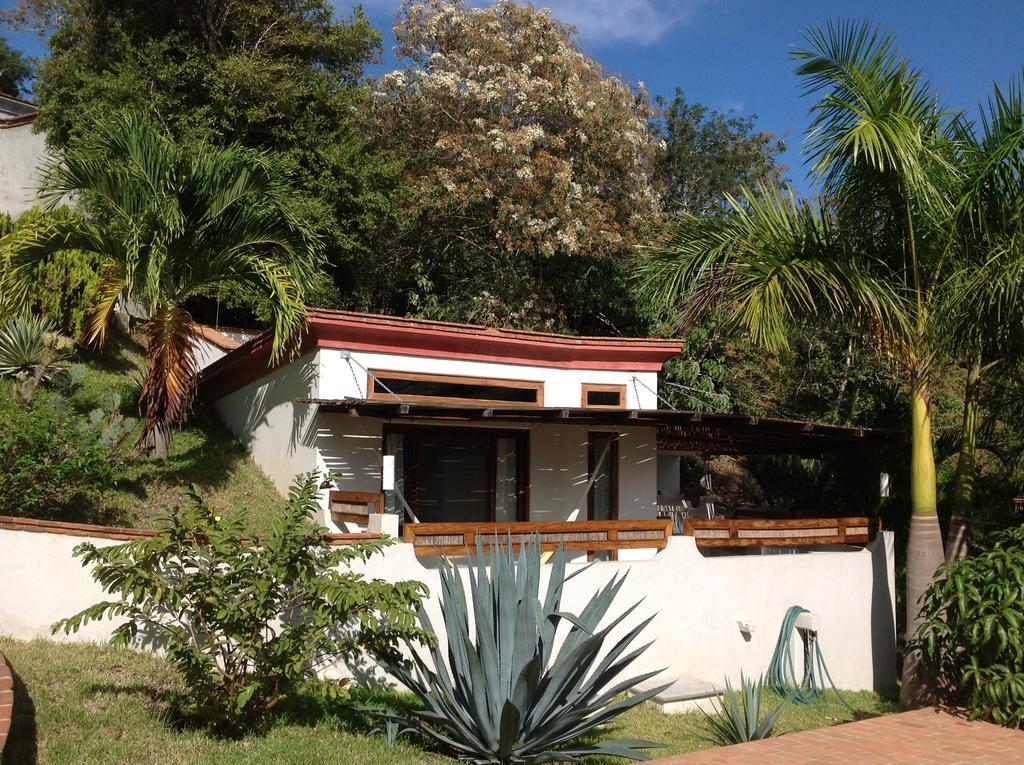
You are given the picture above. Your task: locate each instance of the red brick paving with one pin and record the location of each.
(922, 737)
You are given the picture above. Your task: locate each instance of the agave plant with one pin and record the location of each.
(737, 722)
(30, 353)
(504, 692)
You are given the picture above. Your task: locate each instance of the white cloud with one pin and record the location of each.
(605, 22)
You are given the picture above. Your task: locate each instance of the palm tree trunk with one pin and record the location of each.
(958, 538)
(924, 544)
(161, 444)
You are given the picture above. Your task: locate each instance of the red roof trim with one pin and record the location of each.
(433, 339)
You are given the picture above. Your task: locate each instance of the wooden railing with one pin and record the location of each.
(790, 532)
(574, 536)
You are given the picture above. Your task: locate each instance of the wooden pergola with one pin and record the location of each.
(682, 431)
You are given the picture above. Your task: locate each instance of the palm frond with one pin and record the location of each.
(770, 262)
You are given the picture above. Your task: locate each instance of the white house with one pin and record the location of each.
(483, 424)
(450, 423)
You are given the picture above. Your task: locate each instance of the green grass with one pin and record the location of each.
(203, 453)
(82, 703)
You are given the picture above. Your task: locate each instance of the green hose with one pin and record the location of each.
(781, 676)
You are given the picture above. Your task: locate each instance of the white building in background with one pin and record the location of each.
(22, 151)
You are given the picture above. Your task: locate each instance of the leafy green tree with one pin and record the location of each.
(709, 154)
(15, 69)
(169, 223)
(876, 259)
(272, 75)
(244, 622)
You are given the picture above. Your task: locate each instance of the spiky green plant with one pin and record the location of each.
(505, 692)
(29, 350)
(739, 719)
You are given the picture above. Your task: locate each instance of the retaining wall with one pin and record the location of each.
(698, 600)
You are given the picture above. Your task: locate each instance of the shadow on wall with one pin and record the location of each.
(21, 748)
(351, 451)
(280, 389)
(883, 628)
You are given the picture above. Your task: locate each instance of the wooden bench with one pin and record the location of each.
(574, 536)
(789, 532)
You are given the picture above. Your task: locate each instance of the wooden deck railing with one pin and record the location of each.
(790, 532)
(574, 536)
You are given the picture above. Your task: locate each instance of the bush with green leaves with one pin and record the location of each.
(739, 719)
(972, 636)
(56, 462)
(502, 693)
(63, 284)
(245, 620)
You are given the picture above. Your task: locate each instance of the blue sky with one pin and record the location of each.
(733, 54)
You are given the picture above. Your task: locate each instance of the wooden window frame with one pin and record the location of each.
(522, 437)
(354, 498)
(494, 382)
(600, 388)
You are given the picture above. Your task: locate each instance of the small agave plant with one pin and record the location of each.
(739, 719)
(503, 693)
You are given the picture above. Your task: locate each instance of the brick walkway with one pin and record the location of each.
(922, 737)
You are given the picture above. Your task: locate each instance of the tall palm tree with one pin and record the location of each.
(169, 224)
(983, 313)
(881, 150)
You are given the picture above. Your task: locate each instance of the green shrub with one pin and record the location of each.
(972, 637)
(501, 694)
(244, 622)
(56, 462)
(64, 284)
(739, 718)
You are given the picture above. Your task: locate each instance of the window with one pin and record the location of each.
(458, 475)
(438, 389)
(604, 396)
(603, 471)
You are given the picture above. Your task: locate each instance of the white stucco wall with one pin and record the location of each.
(280, 435)
(697, 602)
(342, 378)
(21, 153)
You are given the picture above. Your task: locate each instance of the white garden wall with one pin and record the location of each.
(698, 601)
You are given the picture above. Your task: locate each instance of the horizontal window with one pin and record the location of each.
(604, 396)
(433, 388)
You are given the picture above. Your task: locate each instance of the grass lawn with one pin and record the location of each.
(203, 453)
(81, 704)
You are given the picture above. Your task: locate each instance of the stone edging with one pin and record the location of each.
(6, 701)
(121, 533)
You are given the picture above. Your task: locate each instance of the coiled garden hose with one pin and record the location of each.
(781, 676)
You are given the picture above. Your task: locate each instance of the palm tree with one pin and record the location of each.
(170, 224)
(881, 150)
(983, 314)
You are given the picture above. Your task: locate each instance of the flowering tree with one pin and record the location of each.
(518, 145)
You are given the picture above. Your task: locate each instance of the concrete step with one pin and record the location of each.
(686, 694)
